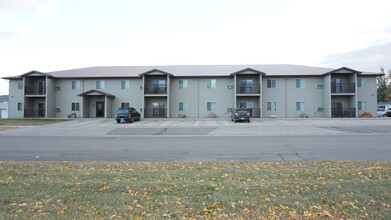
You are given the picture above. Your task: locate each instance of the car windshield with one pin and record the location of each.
(122, 111)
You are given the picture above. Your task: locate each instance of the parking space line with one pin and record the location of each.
(196, 124)
(226, 123)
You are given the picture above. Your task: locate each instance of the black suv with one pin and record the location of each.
(240, 115)
(127, 114)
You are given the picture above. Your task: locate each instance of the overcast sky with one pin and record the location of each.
(50, 35)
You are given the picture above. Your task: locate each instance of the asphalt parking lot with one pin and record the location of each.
(209, 127)
(192, 140)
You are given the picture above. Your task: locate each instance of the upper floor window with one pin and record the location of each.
(20, 84)
(100, 84)
(125, 84)
(362, 82)
(300, 83)
(300, 106)
(183, 83)
(271, 83)
(76, 84)
(183, 106)
(211, 84)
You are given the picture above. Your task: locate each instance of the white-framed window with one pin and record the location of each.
(362, 82)
(75, 84)
(20, 84)
(210, 106)
(271, 83)
(362, 105)
(300, 83)
(125, 84)
(100, 84)
(211, 84)
(183, 84)
(271, 106)
(125, 105)
(20, 106)
(75, 106)
(183, 106)
(300, 106)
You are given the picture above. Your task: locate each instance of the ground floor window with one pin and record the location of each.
(300, 106)
(271, 106)
(75, 106)
(362, 106)
(183, 106)
(20, 107)
(125, 105)
(210, 106)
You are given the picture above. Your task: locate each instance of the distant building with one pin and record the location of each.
(3, 106)
(286, 91)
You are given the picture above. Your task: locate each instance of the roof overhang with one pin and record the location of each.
(155, 72)
(342, 70)
(247, 70)
(95, 92)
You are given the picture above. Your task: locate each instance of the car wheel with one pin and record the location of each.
(118, 121)
(131, 120)
(248, 121)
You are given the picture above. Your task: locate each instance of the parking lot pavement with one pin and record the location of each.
(211, 127)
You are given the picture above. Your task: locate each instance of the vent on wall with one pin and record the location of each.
(319, 86)
(320, 109)
(58, 109)
(58, 88)
(230, 86)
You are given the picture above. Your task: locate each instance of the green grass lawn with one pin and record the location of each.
(88, 190)
(29, 122)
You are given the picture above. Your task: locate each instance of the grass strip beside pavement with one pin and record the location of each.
(29, 122)
(87, 190)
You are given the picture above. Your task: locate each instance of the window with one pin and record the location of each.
(100, 84)
(20, 107)
(300, 83)
(211, 106)
(183, 84)
(76, 84)
(300, 106)
(125, 84)
(183, 106)
(362, 82)
(246, 86)
(20, 84)
(75, 106)
(124, 104)
(211, 84)
(362, 105)
(271, 106)
(271, 83)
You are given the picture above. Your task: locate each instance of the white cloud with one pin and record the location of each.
(368, 59)
(40, 7)
(12, 35)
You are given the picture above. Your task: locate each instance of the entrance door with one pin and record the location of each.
(41, 88)
(100, 109)
(41, 109)
(158, 110)
(337, 109)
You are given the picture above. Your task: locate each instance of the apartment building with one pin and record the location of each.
(285, 91)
